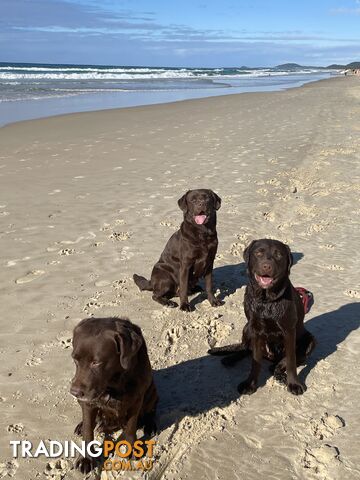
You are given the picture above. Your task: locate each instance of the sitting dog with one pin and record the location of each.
(275, 318)
(113, 382)
(188, 255)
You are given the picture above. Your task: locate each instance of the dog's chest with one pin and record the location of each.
(112, 418)
(203, 256)
(200, 267)
(266, 318)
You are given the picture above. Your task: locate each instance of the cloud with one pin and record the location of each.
(345, 11)
(92, 31)
(88, 17)
(66, 13)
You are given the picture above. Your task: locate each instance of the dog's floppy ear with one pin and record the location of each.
(128, 343)
(290, 257)
(247, 251)
(183, 203)
(217, 201)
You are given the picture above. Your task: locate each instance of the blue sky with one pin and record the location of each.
(180, 33)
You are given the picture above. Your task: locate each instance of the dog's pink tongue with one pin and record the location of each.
(200, 219)
(265, 280)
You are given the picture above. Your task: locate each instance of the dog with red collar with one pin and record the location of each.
(275, 314)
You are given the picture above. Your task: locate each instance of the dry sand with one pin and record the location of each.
(86, 200)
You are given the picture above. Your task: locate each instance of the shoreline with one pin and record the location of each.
(89, 199)
(85, 100)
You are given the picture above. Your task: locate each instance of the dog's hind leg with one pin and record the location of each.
(304, 347)
(279, 371)
(163, 289)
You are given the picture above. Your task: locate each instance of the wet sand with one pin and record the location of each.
(88, 199)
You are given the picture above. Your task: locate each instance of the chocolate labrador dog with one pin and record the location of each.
(275, 318)
(113, 382)
(188, 255)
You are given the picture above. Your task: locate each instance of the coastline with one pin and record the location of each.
(23, 110)
(87, 199)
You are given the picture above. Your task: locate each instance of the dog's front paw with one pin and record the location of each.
(85, 464)
(186, 307)
(247, 388)
(215, 302)
(296, 388)
(78, 428)
(150, 428)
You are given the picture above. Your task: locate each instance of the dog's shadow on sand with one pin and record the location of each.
(196, 386)
(330, 330)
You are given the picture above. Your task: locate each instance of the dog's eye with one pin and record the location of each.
(259, 253)
(95, 364)
(277, 255)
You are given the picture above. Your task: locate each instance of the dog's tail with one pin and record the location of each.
(228, 349)
(233, 353)
(142, 283)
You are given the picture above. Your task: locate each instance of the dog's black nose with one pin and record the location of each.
(77, 392)
(266, 267)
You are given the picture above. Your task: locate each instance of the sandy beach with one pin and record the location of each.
(88, 199)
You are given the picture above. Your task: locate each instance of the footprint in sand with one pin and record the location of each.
(122, 284)
(93, 304)
(326, 426)
(8, 468)
(321, 459)
(172, 337)
(216, 331)
(98, 244)
(65, 341)
(120, 236)
(67, 251)
(33, 362)
(327, 246)
(30, 276)
(120, 221)
(269, 216)
(105, 227)
(57, 469)
(352, 293)
(237, 249)
(15, 428)
(334, 267)
(169, 224)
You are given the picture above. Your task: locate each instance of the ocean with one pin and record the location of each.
(29, 91)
